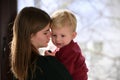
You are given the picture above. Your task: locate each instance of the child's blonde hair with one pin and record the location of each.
(63, 18)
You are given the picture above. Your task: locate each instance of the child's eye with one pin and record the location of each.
(54, 35)
(62, 35)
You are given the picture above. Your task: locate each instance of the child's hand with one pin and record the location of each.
(49, 53)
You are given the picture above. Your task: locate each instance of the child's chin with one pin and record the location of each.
(59, 46)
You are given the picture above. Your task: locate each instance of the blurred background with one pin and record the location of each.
(98, 31)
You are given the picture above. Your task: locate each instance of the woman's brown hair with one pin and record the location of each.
(29, 21)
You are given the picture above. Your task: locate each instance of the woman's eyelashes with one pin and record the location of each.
(46, 32)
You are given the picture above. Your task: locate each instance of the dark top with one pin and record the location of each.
(71, 56)
(47, 68)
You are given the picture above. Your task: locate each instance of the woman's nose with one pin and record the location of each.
(49, 35)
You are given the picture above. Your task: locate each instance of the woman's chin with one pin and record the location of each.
(43, 46)
(46, 45)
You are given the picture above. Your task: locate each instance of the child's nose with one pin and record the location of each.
(58, 39)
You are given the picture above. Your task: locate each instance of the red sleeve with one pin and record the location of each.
(76, 66)
(80, 68)
(74, 61)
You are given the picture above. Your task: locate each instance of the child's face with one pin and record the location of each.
(62, 36)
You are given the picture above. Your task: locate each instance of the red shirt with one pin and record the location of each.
(73, 60)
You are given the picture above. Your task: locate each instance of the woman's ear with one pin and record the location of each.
(31, 36)
(74, 34)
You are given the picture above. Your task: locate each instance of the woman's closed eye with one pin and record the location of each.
(46, 32)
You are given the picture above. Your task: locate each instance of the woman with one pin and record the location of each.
(31, 32)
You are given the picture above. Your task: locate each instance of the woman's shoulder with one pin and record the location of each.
(48, 68)
(49, 61)
(51, 66)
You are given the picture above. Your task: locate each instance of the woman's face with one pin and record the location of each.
(41, 38)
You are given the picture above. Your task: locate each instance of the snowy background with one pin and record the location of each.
(98, 30)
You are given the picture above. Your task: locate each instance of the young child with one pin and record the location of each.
(63, 28)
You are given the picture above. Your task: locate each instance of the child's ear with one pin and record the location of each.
(74, 34)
